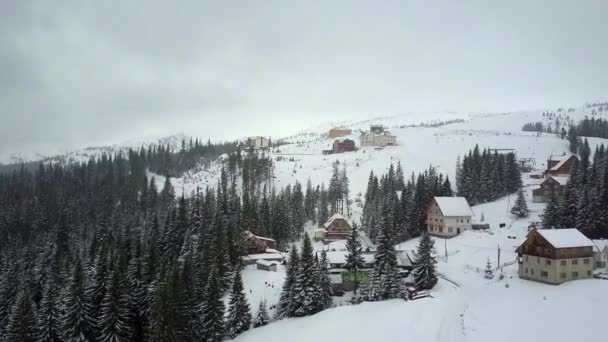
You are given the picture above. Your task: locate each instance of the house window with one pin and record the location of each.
(544, 274)
(574, 262)
(526, 270)
(562, 275)
(574, 274)
(563, 262)
(441, 229)
(538, 260)
(586, 261)
(532, 271)
(589, 273)
(526, 258)
(450, 229)
(468, 221)
(548, 262)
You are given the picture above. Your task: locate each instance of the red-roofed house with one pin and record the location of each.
(258, 244)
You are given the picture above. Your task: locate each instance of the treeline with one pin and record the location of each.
(164, 160)
(592, 127)
(484, 176)
(95, 252)
(404, 215)
(584, 203)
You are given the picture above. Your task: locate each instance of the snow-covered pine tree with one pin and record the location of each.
(262, 318)
(325, 282)
(520, 208)
(283, 308)
(488, 272)
(77, 322)
(354, 257)
(22, 325)
(114, 316)
(384, 281)
(323, 212)
(424, 267)
(551, 213)
(306, 288)
(212, 325)
(48, 315)
(239, 312)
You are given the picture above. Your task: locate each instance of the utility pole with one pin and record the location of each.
(445, 247)
(497, 266)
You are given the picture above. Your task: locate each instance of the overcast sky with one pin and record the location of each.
(88, 72)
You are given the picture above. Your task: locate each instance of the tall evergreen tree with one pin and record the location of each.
(262, 318)
(212, 326)
(354, 258)
(239, 312)
(326, 290)
(306, 298)
(424, 266)
(77, 321)
(286, 299)
(21, 326)
(520, 208)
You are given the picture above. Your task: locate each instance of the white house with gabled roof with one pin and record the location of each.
(448, 216)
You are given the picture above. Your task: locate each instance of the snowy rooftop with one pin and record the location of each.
(266, 262)
(250, 234)
(565, 238)
(454, 206)
(561, 159)
(266, 256)
(562, 180)
(335, 217)
(601, 244)
(339, 258)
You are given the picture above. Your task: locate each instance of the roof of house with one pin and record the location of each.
(265, 256)
(562, 160)
(601, 244)
(565, 238)
(250, 235)
(562, 180)
(339, 258)
(335, 217)
(454, 206)
(266, 262)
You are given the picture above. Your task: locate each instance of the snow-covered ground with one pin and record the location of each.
(465, 306)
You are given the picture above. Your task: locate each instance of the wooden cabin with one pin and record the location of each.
(258, 244)
(561, 165)
(343, 145)
(554, 256)
(552, 185)
(338, 227)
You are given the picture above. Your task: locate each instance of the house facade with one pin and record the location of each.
(337, 227)
(378, 139)
(339, 132)
(555, 185)
(600, 255)
(448, 216)
(554, 256)
(343, 145)
(561, 165)
(258, 244)
(257, 143)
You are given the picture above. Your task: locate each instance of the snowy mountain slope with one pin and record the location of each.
(465, 306)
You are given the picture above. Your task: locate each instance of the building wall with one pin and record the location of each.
(449, 226)
(555, 271)
(336, 132)
(372, 139)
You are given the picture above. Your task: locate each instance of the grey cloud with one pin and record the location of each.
(93, 71)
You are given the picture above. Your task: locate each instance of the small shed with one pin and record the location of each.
(266, 265)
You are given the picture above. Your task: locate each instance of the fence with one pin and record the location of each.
(494, 269)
